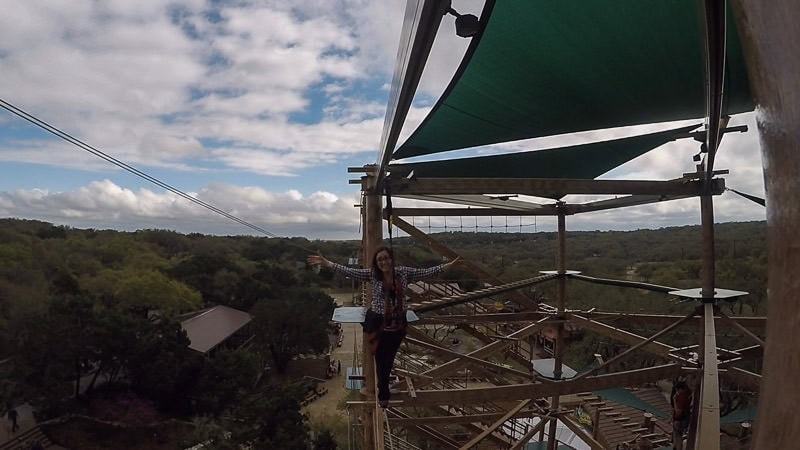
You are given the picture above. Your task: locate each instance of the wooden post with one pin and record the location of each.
(769, 34)
(373, 237)
(648, 422)
(745, 430)
(596, 423)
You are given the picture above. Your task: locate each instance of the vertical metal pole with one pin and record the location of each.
(706, 436)
(709, 252)
(561, 301)
(373, 236)
(770, 34)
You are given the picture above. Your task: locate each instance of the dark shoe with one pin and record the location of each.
(384, 404)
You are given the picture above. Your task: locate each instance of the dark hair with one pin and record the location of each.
(376, 271)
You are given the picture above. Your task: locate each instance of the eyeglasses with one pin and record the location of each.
(383, 258)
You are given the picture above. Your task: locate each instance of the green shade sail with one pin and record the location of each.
(625, 397)
(544, 67)
(586, 161)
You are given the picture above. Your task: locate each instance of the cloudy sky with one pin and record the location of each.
(256, 107)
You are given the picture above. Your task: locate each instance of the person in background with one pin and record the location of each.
(681, 402)
(385, 322)
(13, 416)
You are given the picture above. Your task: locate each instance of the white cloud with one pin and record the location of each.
(148, 82)
(202, 86)
(103, 204)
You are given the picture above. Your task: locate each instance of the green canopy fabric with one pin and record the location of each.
(585, 161)
(543, 67)
(741, 415)
(626, 397)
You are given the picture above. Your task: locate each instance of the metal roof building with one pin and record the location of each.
(210, 327)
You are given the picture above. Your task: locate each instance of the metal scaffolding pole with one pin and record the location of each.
(708, 414)
(706, 436)
(561, 300)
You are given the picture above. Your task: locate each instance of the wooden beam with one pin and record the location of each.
(742, 377)
(460, 419)
(450, 367)
(638, 345)
(423, 430)
(524, 361)
(624, 283)
(581, 433)
(472, 396)
(372, 237)
(478, 294)
(708, 420)
(665, 319)
(455, 319)
(544, 210)
(478, 361)
(550, 188)
(380, 437)
(561, 305)
(491, 428)
(501, 202)
(410, 385)
(527, 437)
(741, 328)
(621, 202)
(769, 34)
(627, 337)
(521, 299)
(752, 352)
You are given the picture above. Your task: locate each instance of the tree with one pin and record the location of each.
(161, 363)
(48, 348)
(151, 290)
(325, 441)
(141, 291)
(272, 419)
(223, 379)
(294, 324)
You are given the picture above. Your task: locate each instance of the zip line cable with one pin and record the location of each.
(100, 154)
(750, 197)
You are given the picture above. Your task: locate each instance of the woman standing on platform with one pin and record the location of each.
(385, 321)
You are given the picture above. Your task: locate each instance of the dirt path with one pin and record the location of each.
(324, 409)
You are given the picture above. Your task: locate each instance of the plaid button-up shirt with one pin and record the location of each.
(403, 276)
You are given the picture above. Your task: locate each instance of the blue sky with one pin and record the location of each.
(257, 107)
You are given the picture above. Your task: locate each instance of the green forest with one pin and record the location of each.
(80, 306)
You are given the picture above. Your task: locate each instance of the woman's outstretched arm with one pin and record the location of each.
(415, 274)
(357, 274)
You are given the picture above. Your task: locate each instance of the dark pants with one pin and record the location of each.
(388, 344)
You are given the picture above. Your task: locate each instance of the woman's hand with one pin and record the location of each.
(318, 260)
(453, 262)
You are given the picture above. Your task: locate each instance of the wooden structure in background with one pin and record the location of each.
(487, 411)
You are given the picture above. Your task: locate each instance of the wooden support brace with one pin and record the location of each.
(410, 385)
